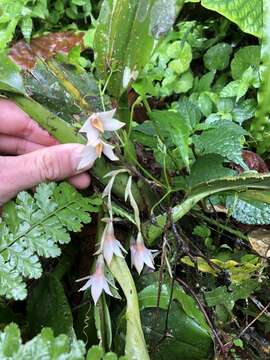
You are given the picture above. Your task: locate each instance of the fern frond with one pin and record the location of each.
(33, 227)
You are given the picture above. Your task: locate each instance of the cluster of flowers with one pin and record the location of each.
(109, 245)
(94, 128)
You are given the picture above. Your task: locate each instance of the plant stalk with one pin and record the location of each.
(135, 348)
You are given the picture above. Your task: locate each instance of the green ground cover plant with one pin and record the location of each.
(165, 255)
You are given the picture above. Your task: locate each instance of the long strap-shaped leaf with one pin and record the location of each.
(252, 181)
(127, 34)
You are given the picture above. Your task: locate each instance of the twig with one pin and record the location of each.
(254, 320)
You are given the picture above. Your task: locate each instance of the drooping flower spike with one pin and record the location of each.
(108, 189)
(109, 244)
(97, 123)
(140, 255)
(91, 153)
(97, 281)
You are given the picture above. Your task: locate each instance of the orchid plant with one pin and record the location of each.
(109, 245)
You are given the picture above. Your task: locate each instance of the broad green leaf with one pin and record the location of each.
(239, 271)
(26, 27)
(48, 306)
(178, 129)
(181, 55)
(42, 346)
(95, 353)
(207, 168)
(244, 58)
(247, 14)
(126, 36)
(218, 57)
(135, 346)
(225, 138)
(188, 111)
(224, 300)
(249, 208)
(186, 323)
(244, 110)
(10, 77)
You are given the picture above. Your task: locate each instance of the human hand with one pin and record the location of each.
(40, 159)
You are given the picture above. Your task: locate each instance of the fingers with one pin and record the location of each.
(81, 181)
(51, 163)
(17, 146)
(14, 122)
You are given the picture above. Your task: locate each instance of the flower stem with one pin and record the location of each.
(135, 348)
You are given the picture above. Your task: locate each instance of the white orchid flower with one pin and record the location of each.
(140, 255)
(97, 282)
(99, 122)
(91, 153)
(109, 244)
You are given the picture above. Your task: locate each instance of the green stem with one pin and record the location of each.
(135, 348)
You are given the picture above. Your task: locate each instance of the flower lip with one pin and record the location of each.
(96, 122)
(99, 149)
(99, 122)
(92, 152)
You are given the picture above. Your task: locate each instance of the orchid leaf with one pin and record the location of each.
(247, 181)
(126, 36)
(10, 77)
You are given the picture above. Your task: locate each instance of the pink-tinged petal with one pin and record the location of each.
(138, 262)
(106, 288)
(140, 255)
(148, 259)
(108, 251)
(83, 278)
(89, 156)
(108, 151)
(118, 248)
(96, 291)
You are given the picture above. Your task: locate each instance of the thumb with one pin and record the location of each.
(51, 163)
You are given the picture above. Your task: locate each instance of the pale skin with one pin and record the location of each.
(30, 156)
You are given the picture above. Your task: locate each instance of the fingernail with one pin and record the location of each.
(80, 159)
